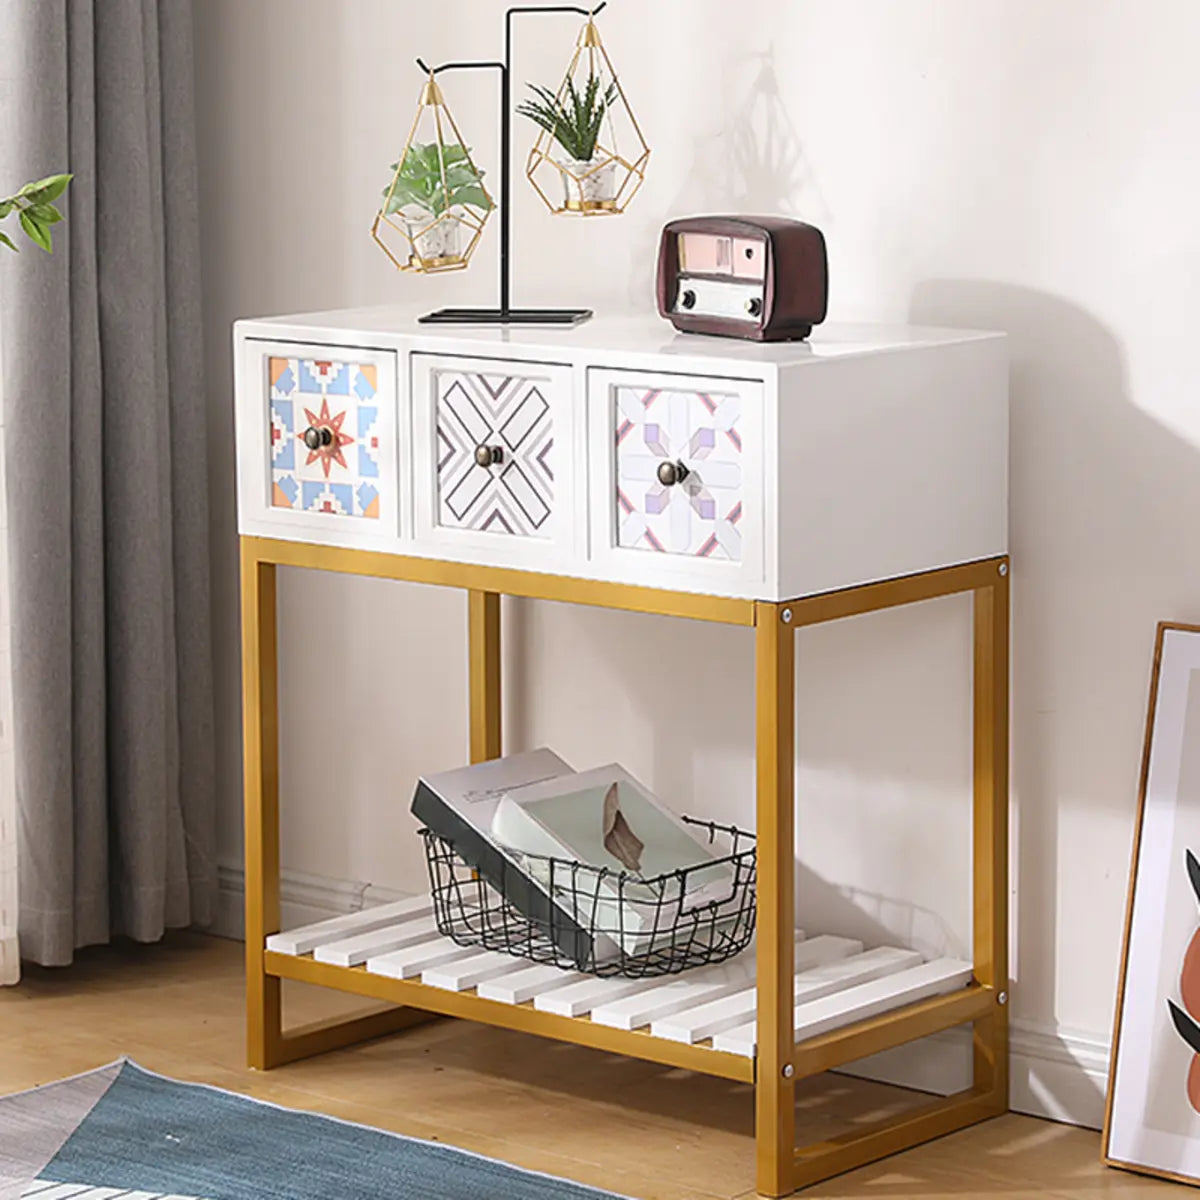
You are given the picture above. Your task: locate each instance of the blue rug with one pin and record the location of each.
(124, 1133)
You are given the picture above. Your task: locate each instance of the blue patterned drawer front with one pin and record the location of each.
(702, 515)
(341, 478)
(515, 497)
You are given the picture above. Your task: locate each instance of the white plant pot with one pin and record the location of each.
(435, 243)
(588, 186)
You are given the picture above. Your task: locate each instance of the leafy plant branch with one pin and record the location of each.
(34, 206)
(573, 119)
(434, 177)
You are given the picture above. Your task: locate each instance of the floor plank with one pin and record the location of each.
(636, 1128)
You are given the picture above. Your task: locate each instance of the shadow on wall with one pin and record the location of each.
(1102, 529)
(754, 162)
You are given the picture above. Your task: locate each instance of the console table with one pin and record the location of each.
(620, 464)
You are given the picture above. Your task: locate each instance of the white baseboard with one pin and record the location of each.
(1055, 1073)
(303, 899)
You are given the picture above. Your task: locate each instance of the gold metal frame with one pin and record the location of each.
(633, 165)
(470, 217)
(781, 1167)
(1106, 1156)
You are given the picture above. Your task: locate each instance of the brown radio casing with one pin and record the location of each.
(761, 278)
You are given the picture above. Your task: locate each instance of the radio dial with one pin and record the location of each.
(688, 299)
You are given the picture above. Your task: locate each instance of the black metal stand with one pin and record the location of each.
(506, 314)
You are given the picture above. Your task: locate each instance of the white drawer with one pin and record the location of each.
(706, 524)
(519, 505)
(344, 401)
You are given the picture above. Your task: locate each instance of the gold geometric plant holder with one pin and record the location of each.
(436, 206)
(605, 184)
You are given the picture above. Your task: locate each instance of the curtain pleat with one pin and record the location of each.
(108, 481)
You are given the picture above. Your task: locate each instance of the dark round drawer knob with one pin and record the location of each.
(688, 299)
(754, 306)
(671, 473)
(488, 456)
(315, 438)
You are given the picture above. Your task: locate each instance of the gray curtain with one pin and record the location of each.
(107, 480)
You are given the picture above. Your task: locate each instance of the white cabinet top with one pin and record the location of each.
(640, 336)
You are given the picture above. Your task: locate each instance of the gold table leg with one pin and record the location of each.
(260, 717)
(990, 832)
(775, 1086)
(483, 654)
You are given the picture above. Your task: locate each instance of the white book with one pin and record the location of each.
(640, 865)
(460, 806)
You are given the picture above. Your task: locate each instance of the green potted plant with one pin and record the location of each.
(573, 120)
(431, 181)
(34, 208)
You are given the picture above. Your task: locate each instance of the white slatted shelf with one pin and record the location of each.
(700, 1022)
(351, 951)
(707, 1008)
(308, 937)
(844, 1007)
(680, 993)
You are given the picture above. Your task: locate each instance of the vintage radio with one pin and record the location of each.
(762, 278)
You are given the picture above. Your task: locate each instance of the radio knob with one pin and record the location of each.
(688, 299)
(754, 306)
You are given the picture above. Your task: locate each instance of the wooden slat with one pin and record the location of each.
(907, 1024)
(306, 938)
(505, 581)
(673, 993)
(351, 951)
(522, 986)
(410, 961)
(578, 999)
(674, 996)
(735, 1014)
(462, 974)
(846, 1005)
(524, 1018)
(881, 995)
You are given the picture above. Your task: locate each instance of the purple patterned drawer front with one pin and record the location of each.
(510, 414)
(701, 515)
(341, 477)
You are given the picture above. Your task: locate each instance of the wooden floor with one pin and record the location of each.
(635, 1128)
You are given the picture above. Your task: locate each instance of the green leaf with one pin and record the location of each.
(47, 214)
(473, 194)
(433, 177)
(35, 231)
(45, 190)
(5, 240)
(573, 118)
(6, 206)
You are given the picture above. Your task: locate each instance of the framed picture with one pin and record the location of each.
(1152, 1121)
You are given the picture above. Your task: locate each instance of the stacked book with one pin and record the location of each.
(592, 859)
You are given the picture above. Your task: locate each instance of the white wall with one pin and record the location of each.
(1019, 164)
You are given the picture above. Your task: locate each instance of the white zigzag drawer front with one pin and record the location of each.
(508, 419)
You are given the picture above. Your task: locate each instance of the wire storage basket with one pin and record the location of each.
(596, 920)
